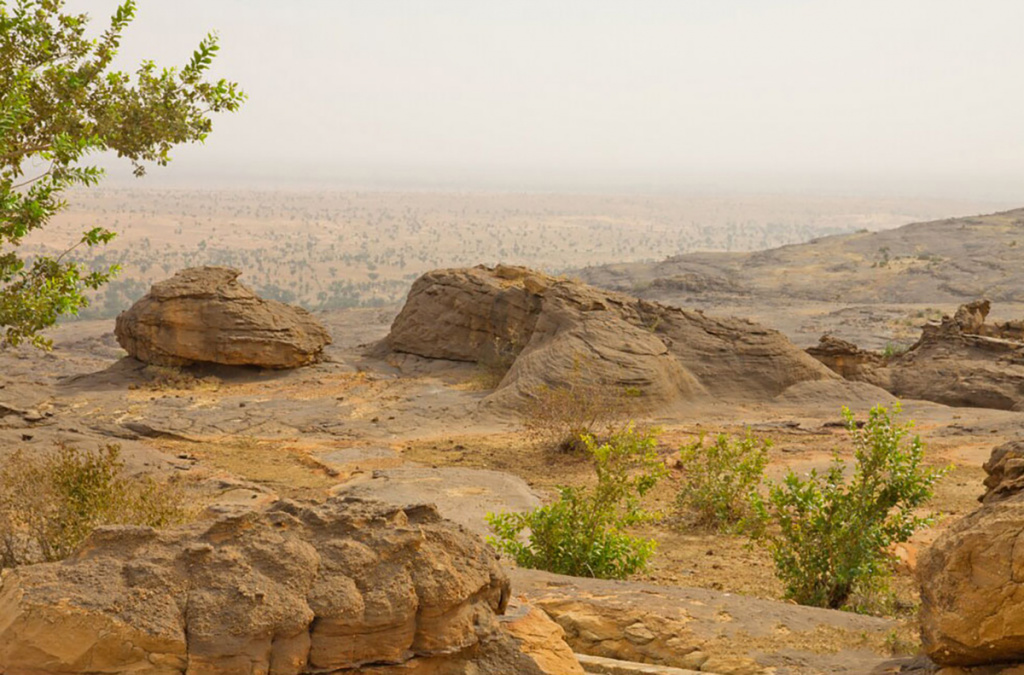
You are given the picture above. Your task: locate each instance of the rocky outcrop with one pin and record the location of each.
(204, 315)
(972, 587)
(292, 589)
(556, 329)
(1005, 469)
(847, 359)
(959, 361)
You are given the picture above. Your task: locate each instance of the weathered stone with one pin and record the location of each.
(1005, 469)
(204, 315)
(558, 329)
(541, 639)
(972, 588)
(291, 589)
(959, 361)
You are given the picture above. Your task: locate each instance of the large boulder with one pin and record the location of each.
(972, 588)
(557, 329)
(204, 315)
(291, 589)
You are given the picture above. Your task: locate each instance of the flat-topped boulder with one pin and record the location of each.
(295, 588)
(556, 330)
(204, 315)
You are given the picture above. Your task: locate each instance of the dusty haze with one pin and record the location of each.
(916, 98)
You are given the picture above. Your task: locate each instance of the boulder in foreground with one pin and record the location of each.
(292, 589)
(204, 315)
(972, 577)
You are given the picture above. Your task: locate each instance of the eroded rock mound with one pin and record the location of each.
(557, 329)
(204, 315)
(292, 589)
(960, 361)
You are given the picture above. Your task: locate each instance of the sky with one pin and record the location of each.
(901, 97)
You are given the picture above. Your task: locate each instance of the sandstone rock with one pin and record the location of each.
(699, 629)
(1005, 469)
(960, 361)
(541, 639)
(204, 315)
(848, 360)
(972, 588)
(295, 588)
(557, 326)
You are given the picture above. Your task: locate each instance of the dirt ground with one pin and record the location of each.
(246, 434)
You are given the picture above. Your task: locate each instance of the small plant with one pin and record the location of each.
(49, 504)
(582, 534)
(830, 537)
(894, 349)
(496, 359)
(718, 479)
(560, 416)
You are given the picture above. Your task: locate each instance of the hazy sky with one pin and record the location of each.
(903, 96)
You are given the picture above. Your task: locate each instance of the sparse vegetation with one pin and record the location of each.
(830, 537)
(719, 479)
(560, 416)
(60, 101)
(496, 360)
(894, 349)
(49, 504)
(583, 533)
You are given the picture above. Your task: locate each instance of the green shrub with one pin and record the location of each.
(50, 503)
(831, 537)
(718, 479)
(894, 349)
(560, 416)
(582, 534)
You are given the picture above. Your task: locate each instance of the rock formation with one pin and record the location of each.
(1005, 469)
(204, 315)
(971, 589)
(971, 577)
(847, 359)
(557, 329)
(291, 589)
(960, 361)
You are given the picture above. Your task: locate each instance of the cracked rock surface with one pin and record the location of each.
(291, 589)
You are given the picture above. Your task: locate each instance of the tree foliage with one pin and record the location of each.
(62, 100)
(584, 532)
(830, 536)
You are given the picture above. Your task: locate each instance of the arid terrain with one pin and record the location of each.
(395, 425)
(333, 250)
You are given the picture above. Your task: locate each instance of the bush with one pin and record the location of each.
(561, 416)
(718, 480)
(49, 504)
(829, 537)
(582, 533)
